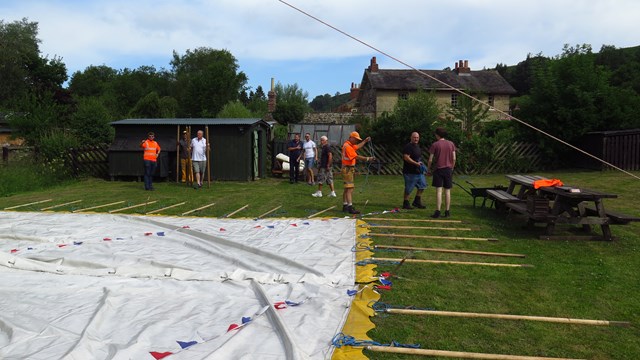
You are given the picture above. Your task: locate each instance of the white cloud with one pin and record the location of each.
(426, 34)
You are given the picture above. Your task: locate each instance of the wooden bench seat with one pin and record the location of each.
(614, 217)
(522, 208)
(503, 196)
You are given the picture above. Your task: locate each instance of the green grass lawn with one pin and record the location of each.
(574, 279)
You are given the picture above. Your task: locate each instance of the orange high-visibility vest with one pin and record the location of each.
(151, 148)
(349, 154)
(546, 182)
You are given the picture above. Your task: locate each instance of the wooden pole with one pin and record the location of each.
(320, 212)
(418, 227)
(456, 354)
(165, 208)
(208, 161)
(414, 220)
(509, 317)
(23, 205)
(453, 262)
(269, 212)
(178, 156)
(448, 251)
(237, 211)
(200, 208)
(60, 205)
(132, 207)
(433, 237)
(99, 206)
(190, 165)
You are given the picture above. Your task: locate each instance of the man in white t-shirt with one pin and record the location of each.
(199, 157)
(310, 157)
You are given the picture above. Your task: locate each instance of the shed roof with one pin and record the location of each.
(486, 81)
(190, 121)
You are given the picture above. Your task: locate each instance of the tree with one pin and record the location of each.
(258, 102)
(417, 113)
(91, 122)
(206, 79)
(22, 69)
(235, 110)
(291, 104)
(93, 81)
(470, 112)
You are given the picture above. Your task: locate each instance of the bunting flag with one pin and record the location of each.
(62, 245)
(13, 251)
(160, 233)
(148, 234)
(160, 355)
(186, 344)
(186, 227)
(106, 239)
(233, 327)
(223, 229)
(77, 243)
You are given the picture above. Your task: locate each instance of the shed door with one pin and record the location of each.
(256, 157)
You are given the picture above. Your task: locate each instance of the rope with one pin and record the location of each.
(341, 340)
(379, 306)
(509, 116)
(377, 262)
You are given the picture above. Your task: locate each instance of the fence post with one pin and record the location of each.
(5, 154)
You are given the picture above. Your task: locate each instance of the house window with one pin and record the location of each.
(490, 100)
(403, 95)
(454, 100)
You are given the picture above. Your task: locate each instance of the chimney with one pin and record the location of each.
(374, 66)
(462, 67)
(271, 102)
(355, 90)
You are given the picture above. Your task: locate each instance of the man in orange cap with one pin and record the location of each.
(349, 157)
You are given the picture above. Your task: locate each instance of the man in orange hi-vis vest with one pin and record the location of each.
(151, 151)
(349, 157)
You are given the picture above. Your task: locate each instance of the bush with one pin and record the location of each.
(27, 175)
(53, 150)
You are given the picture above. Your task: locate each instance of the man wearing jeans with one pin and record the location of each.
(151, 151)
(412, 171)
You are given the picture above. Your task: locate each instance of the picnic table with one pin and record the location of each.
(553, 205)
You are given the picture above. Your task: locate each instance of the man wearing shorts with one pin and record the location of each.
(349, 157)
(325, 172)
(199, 158)
(412, 171)
(443, 157)
(310, 157)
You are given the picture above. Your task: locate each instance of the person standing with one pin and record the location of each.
(442, 154)
(412, 171)
(198, 149)
(151, 151)
(349, 157)
(325, 169)
(295, 150)
(310, 157)
(185, 166)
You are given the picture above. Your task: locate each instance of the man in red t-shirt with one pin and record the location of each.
(150, 157)
(443, 152)
(349, 157)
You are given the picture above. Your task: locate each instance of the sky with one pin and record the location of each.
(270, 39)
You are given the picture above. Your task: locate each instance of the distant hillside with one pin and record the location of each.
(328, 103)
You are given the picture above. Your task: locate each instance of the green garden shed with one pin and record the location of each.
(238, 147)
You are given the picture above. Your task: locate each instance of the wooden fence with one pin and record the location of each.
(90, 160)
(515, 157)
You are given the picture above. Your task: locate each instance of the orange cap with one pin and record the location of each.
(355, 134)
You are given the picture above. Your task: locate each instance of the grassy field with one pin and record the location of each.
(574, 279)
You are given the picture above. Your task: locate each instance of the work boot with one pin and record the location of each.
(417, 202)
(352, 210)
(345, 208)
(447, 213)
(405, 205)
(436, 214)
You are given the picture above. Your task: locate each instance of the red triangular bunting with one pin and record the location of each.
(158, 355)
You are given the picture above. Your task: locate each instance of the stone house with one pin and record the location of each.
(381, 89)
